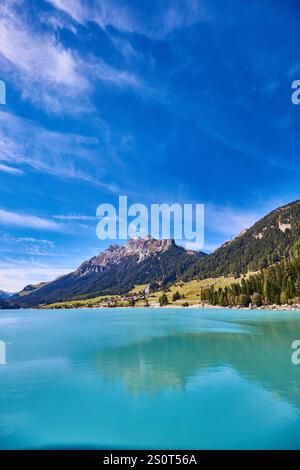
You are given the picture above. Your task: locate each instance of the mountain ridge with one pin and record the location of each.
(116, 270)
(160, 263)
(272, 238)
(5, 295)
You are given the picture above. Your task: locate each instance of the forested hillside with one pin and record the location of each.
(278, 284)
(271, 239)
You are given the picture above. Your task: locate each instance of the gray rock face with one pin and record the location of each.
(142, 248)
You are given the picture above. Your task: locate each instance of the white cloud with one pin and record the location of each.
(14, 275)
(47, 73)
(73, 8)
(10, 169)
(155, 21)
(107, 74)
(75, 217)
(28, 246)
(41, 67)
(39, 60)
(29, 221)
(8, 238)
(56, 22)
(68, 156)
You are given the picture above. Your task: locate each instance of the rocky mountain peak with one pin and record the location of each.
(145, 247)
(141, 248)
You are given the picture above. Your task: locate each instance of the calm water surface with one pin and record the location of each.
(149, 378)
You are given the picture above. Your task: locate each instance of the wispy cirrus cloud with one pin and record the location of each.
(17, 219)
(10, 169)
(74, 8)
(68, 156)
(40, 66)
(75, 217)
(14, 275)
(9, 238)
(155, 21)
(49, 74)
(27, 246)
(118, 78)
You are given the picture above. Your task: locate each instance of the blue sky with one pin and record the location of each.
(163, 101)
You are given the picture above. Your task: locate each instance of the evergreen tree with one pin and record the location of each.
(163, 300)
(176, 296)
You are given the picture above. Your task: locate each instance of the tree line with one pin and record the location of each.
(278, 284)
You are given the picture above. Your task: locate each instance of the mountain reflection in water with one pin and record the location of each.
(258, 351)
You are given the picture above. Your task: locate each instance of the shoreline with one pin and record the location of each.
(280, 308)
(155, 305)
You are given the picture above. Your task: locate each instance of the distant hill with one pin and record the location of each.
(116, 271)
(5, 295)
(271, 239)
(6, 301)
(31, 287)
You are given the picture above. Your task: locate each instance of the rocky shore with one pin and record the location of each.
(254, 307)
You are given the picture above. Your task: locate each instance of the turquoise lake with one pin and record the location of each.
(149, 378)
